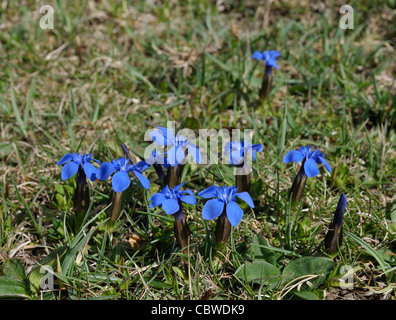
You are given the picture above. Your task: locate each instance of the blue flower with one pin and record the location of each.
(268, 56)
(121, 181)
(334, 235)
(311, 159)
(78, 162)
(226, 198)
(339, 213)
(178, 144)
(157, 157)
(170, 199)
(239, 149)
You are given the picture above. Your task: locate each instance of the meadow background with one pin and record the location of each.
(112, 69)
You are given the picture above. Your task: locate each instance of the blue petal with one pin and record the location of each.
(158, 138)
(246, 197)
(212, 209)
(120, 181)
(188, 191)
(234, 213)
(310, 168)
(175, 155)
(188, 199)
(257, 147)
(90, 171)
(156, 200)
(321, 160)
(236, 157)
(105, 170)
(168, 134)
(293, 155)
(66, 158)
(170, 206)
(143, 180)
(274, 54)
(272, 63)
(194, 151)
(69, 170)
(142, 165)
(257, 55)
(177, 188)
(210, 192)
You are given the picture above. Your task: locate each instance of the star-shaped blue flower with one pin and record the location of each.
(170, 199)
(311, 160)
(339, 213)
(268, 56)
(177, 144)
(121, 181)
(75, 162)
(157, 157)
(225, 198)
(239, 149)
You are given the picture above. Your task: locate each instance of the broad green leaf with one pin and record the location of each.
(306, 295)
(309, 266)
(38, 272)
(11, 287)
(258, 272)
(260, 250)
(14, 268)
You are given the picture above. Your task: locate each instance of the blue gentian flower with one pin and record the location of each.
(238, 149)
(311, 159)
(78, 162)
(157, 157)
(170, 199)
(225, 199)
(178, 144)
(121, 181)
(334, 234)
(339, 213)
(268, 56)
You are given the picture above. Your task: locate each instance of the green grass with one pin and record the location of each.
(110, 70)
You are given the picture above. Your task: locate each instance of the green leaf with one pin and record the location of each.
(258, 272)
(309, 266)
(179, 272)
(260, 250)
(306, 295)
(37, 273)
(14, 268)
(371, 251)
(11, 287)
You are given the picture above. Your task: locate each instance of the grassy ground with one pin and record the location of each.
(112, 69)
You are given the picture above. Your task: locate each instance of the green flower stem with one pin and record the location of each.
(81, 199)
(174, 174)
(116, 205)
(161, 174)
(333, 238)
(297, 189)
(266, 86)
(181, 229)
(243, 181)
(223, 230)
